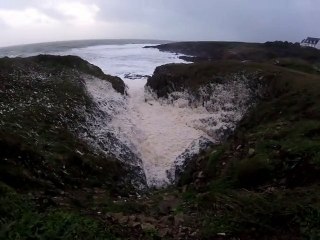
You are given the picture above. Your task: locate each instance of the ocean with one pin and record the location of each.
(53, 47)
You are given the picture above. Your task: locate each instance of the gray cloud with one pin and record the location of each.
(243, 20)
(236, 20)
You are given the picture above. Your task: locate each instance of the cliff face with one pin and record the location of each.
(54, 128)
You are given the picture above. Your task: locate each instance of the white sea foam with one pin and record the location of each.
(157, 131)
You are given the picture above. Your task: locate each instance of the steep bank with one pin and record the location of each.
(51, 110)
(260, 183)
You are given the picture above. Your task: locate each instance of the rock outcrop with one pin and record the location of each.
(241, 51)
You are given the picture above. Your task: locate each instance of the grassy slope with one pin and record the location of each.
(263, 183)
(46, 172)
(42, 100)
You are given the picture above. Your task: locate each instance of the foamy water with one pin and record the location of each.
(160, 132)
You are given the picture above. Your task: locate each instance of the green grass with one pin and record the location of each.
(287, 214)
(263, 182)
(20, 219)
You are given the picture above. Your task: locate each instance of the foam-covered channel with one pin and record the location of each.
(158, 132)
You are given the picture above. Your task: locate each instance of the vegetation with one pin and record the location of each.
(46, 169)
(263, 183)
(44, 103)
(21, 219)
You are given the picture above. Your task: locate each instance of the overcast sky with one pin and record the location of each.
(28, 21)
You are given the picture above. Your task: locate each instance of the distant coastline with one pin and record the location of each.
(60, 46)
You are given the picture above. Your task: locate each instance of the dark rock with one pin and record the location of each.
(168, 205)
(136, 225)
(178, 219)
(184, 188)
(147, 226)
(167, 220)
(164, 232)
(200, 175)
(251, 152)
(188, 157)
